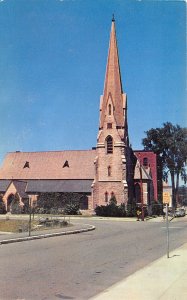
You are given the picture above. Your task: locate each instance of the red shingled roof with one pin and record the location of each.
(49, 165)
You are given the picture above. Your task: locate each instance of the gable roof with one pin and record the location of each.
(4, 184)
(20, 187)
(145, 173)
(49, 165)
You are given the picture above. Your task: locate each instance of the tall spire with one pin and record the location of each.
(113, 85)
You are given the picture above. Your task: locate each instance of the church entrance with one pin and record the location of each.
(137, 193)
(9, 202)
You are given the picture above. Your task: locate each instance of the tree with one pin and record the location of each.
(113, 200)
(15, 205)
(170, 143)
(2, 205)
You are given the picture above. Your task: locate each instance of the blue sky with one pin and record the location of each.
(52, 63)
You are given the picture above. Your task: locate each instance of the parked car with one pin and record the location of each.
(180, 212)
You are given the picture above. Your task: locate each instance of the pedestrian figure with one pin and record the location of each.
(138, 213)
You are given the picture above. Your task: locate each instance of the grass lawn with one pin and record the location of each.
(13, 225)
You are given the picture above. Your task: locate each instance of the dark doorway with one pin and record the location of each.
(84, 202)
(137, 193)
(9, 202)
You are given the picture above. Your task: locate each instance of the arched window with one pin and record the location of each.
(106, 197)
(109, 109)
(109, 170)
(145, 161)
(109, 145)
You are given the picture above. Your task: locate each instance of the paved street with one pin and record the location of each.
(83, 265)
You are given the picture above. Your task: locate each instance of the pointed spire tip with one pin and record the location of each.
(113, 19)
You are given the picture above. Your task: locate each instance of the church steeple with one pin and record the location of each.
(112, 160)
(113, 85)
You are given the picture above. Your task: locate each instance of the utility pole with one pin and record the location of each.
(167, 227)
(30, 212)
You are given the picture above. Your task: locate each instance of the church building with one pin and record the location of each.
(111, 168)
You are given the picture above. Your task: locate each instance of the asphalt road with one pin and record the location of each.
(80, 266)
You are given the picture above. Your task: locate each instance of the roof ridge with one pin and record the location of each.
(88, 150)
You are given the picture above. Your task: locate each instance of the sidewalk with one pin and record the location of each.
(98, 218)
(164, 279)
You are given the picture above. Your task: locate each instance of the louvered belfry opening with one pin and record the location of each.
(109, 144)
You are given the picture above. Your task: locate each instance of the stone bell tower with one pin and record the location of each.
(112, 142)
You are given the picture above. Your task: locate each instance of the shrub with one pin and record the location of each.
(2, 207)
(54, 210)
(113, 200)
(122, 210)
(156, 208)
(111, 210)
(101, 210)
(71, 209)
(40, 210)
(131, 210)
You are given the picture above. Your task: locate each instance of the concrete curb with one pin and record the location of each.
(48, 235)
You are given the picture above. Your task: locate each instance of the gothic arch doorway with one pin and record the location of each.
(137, 193)
(9, 202)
